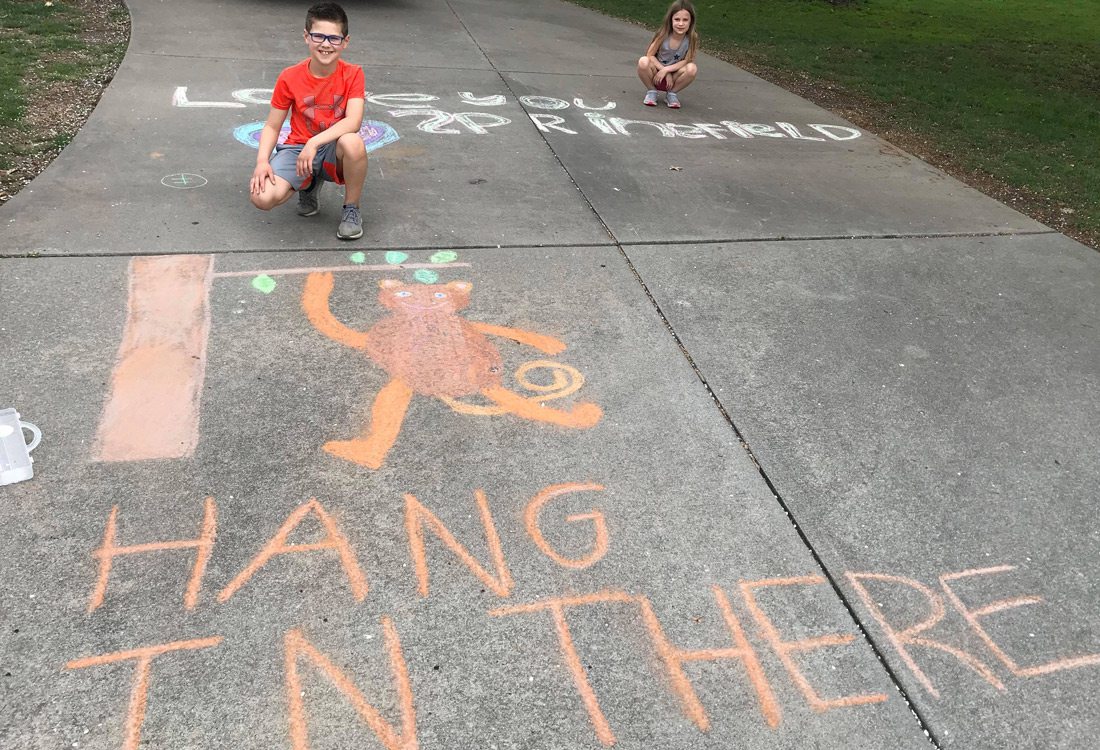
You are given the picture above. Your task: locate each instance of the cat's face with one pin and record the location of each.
(413, 299)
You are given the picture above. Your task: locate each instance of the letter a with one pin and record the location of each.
(278, 546)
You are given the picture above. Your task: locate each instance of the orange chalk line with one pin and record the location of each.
(204, 544)
(783, 648)
(681, 686)
(557, 608)
(972, 618)
(330, 269)
(146, 652)
(297, 646)
(580, 679)
(671, 656)
(908, 636)
(565, 601)
(277, 546)
(759, 681)
(531, 521)
(135, 714)
(417, 515)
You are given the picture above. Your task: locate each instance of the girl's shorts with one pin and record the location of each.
(284, 164)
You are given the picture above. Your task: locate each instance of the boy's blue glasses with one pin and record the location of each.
(334, 39)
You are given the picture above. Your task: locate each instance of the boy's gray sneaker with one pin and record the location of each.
(309, 201)
(351, 224)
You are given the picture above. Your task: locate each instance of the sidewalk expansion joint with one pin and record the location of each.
(893, 676)
(829, 237)
(542, 135)
(875, 648)
(35, 255)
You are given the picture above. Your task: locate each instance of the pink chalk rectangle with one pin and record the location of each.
(152, 410)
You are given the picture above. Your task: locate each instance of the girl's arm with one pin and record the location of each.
(651, 51)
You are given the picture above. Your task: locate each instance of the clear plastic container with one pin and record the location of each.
(15, 451)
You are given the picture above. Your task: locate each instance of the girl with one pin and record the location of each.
(669, 63)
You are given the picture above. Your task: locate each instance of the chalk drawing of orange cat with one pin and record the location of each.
(427, 348)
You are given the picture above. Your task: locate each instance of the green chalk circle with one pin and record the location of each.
(396, 258)
(264, 283)
(358, 257)
(425, 276)
(444, 256)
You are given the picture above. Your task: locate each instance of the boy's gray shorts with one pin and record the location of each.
(284, 164)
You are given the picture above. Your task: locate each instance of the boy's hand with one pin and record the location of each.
(305, 159)
(260, 177)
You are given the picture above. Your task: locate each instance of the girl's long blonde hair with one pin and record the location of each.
(666, 29)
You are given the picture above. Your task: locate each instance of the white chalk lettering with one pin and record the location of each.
(494, 100)
(600, 122)
(254, 96)
(827, 130)
(435, 122)
(620, 123)
(793, 132)
(543, 102)
(401, 101)
(544, 122)
(711, 129)
(686, 131)
(736, 128)
(757, 128)
(487, 120)
(179, 99)
(579, 104)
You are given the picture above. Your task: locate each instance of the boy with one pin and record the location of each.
(324, 96)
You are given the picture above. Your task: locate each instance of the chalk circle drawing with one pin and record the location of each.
(358, 257)
(375, 134)
(183, 181)
(427, 348)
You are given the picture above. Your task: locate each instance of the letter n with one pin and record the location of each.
(297, 648)
(417, 516)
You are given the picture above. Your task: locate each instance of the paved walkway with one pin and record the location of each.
(732, 426)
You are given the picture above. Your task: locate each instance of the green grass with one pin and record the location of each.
(42, 43)
(1007, 87)
(29, 31)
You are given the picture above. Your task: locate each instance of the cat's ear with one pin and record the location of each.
(389, 283)
(461, 286)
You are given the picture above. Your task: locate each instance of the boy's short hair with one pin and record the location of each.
(327, 12)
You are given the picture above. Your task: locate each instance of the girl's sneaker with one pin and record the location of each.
(650, 98)
(672, 100)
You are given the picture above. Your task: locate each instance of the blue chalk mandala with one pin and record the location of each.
(375, 134)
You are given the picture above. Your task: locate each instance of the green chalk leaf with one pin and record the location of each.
(358, 257)
(444, 256)
(396, 258)
(425, 276)
(264, 283)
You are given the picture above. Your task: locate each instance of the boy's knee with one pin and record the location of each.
(264, 201)
(351, 146)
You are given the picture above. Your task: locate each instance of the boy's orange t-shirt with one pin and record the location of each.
(316, 104)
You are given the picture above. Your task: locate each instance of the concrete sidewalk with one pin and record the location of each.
(783, 439)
